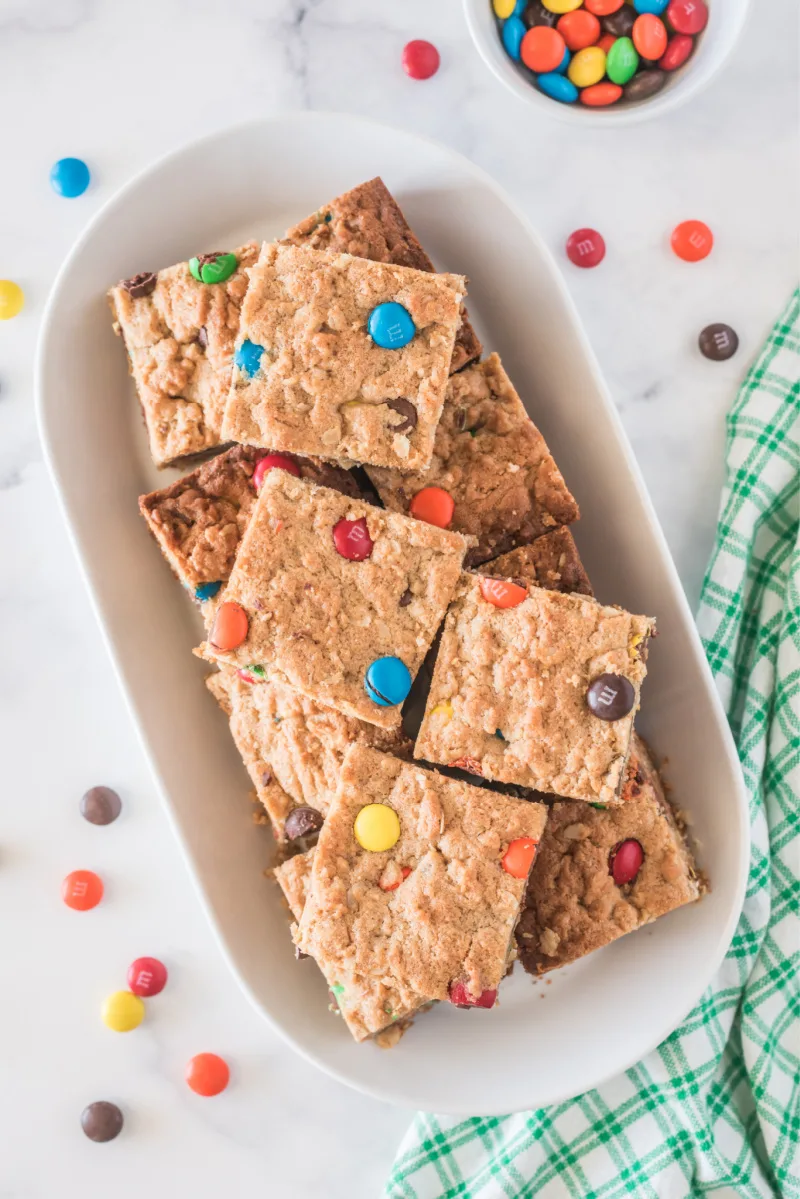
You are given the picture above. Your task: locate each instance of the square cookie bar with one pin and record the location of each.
(368, 222)
(551, 561)
(284, 736)
(601, 873)
(294, 878)
(179, 326)
(335, 598)
(491, 475)
(199, 520)
(415, 890)
(537, 688)
(342, 358)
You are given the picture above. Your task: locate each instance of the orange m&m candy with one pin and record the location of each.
(603, 8)
(600, 95)
(434, 505)
(230, 626)
(503, 594)
(542, 49)
(207, 1074)
(579, 29)
(518, 858)
(649, 36)
(82, 890)
(692, 240)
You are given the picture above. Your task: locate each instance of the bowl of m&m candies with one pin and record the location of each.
(605, 61)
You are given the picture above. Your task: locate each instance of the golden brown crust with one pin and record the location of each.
(180, 338)
(317, 620)
(551, 561)
(294, 877)
(509, 691)
(386, 952)
(322, 385)
(572, 904)
(368, 222)
(494, 463)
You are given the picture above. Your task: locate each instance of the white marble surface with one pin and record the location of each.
(120, 84)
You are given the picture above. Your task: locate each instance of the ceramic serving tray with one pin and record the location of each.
(598, 1016)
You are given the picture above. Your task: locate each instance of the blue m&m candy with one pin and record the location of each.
(69, 177)
(390, 326)
(206, 591)
(653, 6)
(387, 682)
(248, 357)
(565, 61)
(558, 87)
(512, 35)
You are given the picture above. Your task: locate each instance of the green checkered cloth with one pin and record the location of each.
(716, 1107)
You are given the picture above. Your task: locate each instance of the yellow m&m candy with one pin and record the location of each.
(377, 827)
(503, 8)
(12, 298)
(587, 67)
(562, 5)
(123, 1011)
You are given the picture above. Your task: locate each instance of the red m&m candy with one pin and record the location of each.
(462, 997)
(274, 462)
(625, 862)
(420, 59)
(678, 50)
(82, 890)
(687, 16)
(147, 977)
(586, 247)
(352, 539)
(692, 240)
(207, 1074)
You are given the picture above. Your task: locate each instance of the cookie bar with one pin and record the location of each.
(601, 873)
(335, 598)
(415, 890)
(179, 326)
(342, 358)
(537, 688)
(500, 482)
(284, 736)
(551, 561)
(198, 521)
(367, 222)
(294, 877)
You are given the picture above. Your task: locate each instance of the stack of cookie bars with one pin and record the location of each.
(435, 712)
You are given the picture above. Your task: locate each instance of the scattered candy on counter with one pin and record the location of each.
(610, 696)
(434, 505)
(102, 1121)
(207, 1074)
(692, 240)
(274, 462)
(586, 248)
(147, 977)
(123, 1011)
(718, 342)
(230, 626)
(352, 539)
(377, 827)
(69, 177)
(12, 299)
(387, 682)
(609, 49)
(390, 325)
(625, 862)
(100, 805)
(420, 59)
(82, 890)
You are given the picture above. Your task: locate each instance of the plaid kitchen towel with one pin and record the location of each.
(715, 1108)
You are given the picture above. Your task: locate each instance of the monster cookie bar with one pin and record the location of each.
(601, 873)
(551, 561)
(294, 877)
(368, 223)
(491, 474)
(179, 326)
(415, 890)
(198, 521)
(341, 357)
(335, 598)
(537, 688)
(286, 737)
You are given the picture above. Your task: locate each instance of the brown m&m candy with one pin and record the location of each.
(610, 697)
(102, 1121)
(621, 22)
(101, 805)
(536, 14)
(718, 342)
(140, 285)
(644, 85)
(302, 821)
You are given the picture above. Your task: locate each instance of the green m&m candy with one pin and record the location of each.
(213, 268)
(622, 61)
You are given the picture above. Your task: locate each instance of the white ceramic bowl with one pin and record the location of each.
(543, 1043)
(727, 18)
